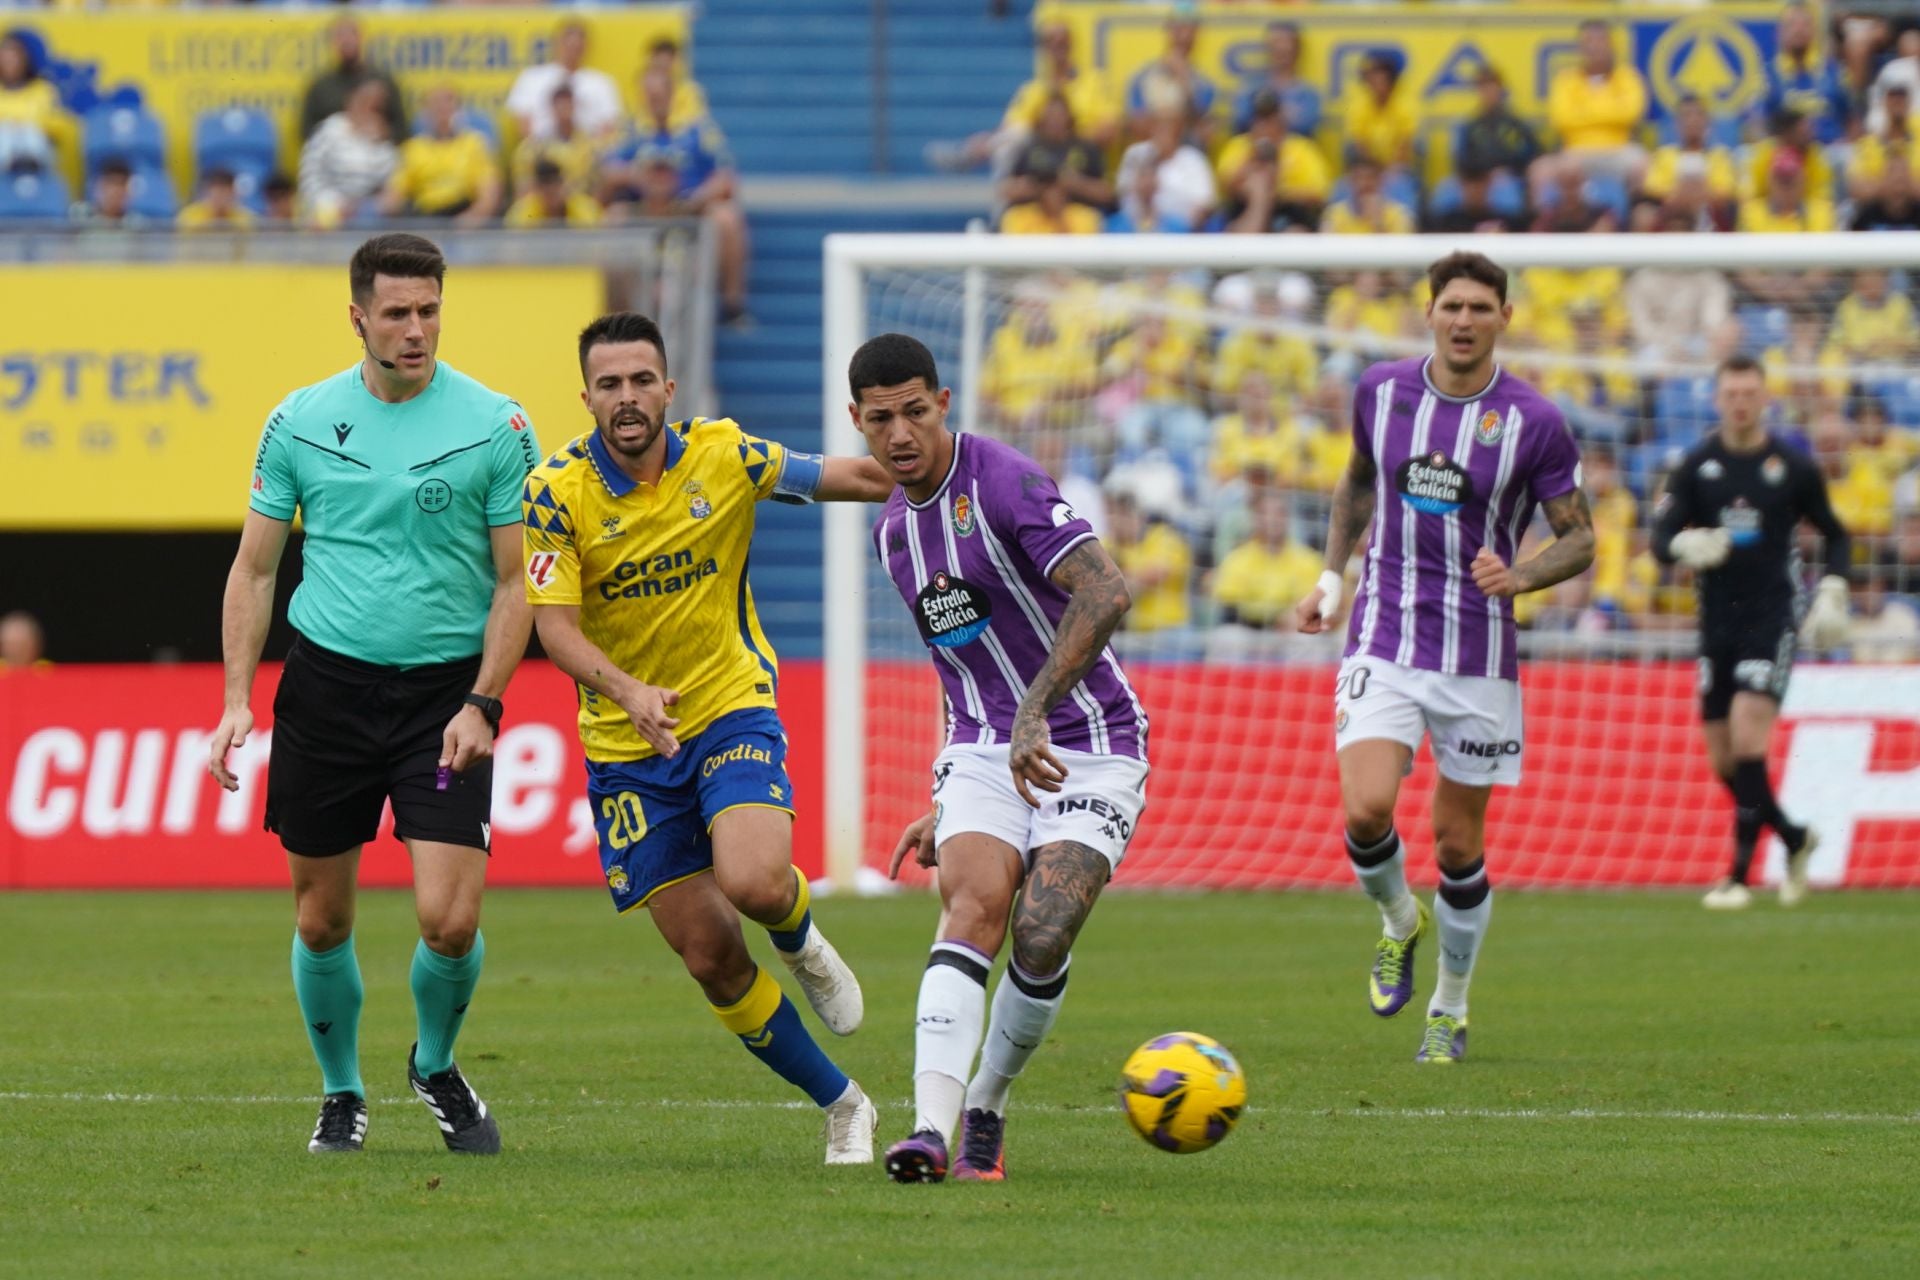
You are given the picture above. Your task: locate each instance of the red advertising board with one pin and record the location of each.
(1244, 791)
(103, 777)
(106, 785)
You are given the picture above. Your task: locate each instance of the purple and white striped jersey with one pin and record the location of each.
(1454, 475)
(972, 563)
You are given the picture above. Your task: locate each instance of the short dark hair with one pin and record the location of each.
(1462, 264)
(888, 361)
(618, 327)
(666, 43)
(1740, 362)
(399, 254)
(116, 167)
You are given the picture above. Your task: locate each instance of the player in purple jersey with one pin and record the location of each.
(1015, 599)
(1451, 454)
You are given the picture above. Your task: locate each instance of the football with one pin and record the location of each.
(1182, 1092)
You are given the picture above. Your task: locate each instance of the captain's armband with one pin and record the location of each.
(799, 477)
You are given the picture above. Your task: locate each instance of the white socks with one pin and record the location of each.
(1461, 908)
(1382, 871)
(953, 1004)
(1024, 1008)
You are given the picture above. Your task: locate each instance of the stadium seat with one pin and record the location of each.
(131, 132)
(1506, 193)
(237, 139)
(1763, 328)
(1901, 395)
(1682, 408)
(33, 197)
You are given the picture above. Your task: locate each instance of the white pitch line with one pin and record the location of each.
(1329, 1113)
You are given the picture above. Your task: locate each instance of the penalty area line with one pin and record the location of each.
(1522, 1114)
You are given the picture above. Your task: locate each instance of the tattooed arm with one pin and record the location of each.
(1099, 599)
(1570, 552)
(1353, 503)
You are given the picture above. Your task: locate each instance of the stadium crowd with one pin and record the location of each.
(582, 157)
(1210, 416)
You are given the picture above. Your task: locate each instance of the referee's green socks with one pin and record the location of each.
(442, 987)
(327, 985)
(770, 1027)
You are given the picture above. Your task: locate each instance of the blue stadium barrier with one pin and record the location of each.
(1506, 193)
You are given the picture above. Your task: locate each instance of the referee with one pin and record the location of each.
(1730, 514)
(410, 620)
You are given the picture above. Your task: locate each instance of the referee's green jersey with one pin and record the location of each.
(396, 501)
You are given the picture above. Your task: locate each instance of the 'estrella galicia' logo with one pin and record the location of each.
(1434, 485)
(1741, 520)
(951, 612)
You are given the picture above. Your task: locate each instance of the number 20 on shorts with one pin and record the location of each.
(626, 821)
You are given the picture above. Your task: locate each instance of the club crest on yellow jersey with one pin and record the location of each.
(697, 505)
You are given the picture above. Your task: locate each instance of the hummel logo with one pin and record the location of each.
(323, 1027)
(341, 430)
(458, 1009)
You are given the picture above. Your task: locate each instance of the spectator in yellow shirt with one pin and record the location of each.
(1260, 581)
(1156, 562)
(1056, 147)
(1052, 211)
(1857, 482)
(1380, 122)
(1597, 106)
(568, 146)
(689, 105)
(1096, 108)
(1615, 518)
(446, 171)
(1366, 308)
(1367, 210)
(1273, 178)
(1286, 360)
(1692, 153)
(1792, 134)
(1893, 145)
(549, 202)
(1254, 439)
(1036, 372)
(32, 123)
(1874, 325)
(1786, 207)
(218, 208)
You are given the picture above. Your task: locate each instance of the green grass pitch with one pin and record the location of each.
(1652, 1091)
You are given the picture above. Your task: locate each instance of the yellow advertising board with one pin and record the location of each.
(133, 396)
(1717, 51)
(189, 61)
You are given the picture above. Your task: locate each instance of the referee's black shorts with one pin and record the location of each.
(350, 735)
(1745, 656)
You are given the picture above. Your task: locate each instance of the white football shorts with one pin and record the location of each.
(1473, 722)
(1099, 804)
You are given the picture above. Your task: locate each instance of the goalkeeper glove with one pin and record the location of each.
(1702, 548)
(1826, 624)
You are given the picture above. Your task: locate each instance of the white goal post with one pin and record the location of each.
(965, 280)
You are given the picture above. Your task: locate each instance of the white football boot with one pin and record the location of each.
(831, 988)
(1728, 895)
(851, 1119)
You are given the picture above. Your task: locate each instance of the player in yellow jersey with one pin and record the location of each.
(636, 564)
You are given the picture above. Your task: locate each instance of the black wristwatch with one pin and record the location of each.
(491, 708)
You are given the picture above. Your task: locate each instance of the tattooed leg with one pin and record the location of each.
(1059, 893)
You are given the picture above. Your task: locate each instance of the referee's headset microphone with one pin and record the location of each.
(361, 330)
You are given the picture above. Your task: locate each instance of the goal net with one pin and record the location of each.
(1193, 397)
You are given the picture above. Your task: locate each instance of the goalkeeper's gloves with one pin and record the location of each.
(1826, 624)
(1702, 548)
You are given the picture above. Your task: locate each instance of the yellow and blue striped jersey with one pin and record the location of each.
(660, 571)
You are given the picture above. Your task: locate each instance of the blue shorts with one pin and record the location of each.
(655, 816)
